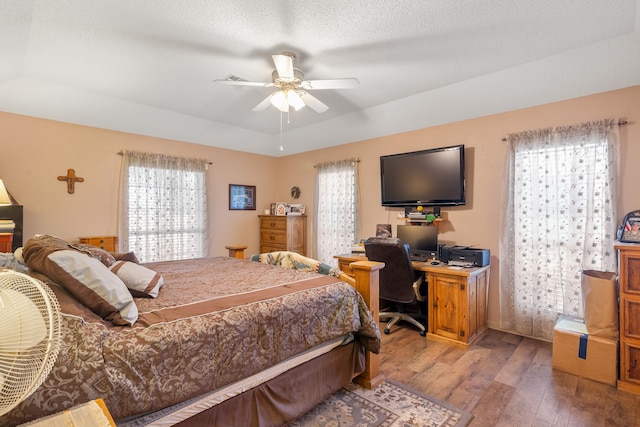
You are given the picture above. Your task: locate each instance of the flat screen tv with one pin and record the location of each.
(433, 177)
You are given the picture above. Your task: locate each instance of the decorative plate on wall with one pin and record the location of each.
(295, 191)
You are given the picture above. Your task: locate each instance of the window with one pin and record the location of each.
(164, 215)
(559, 220)
(336, 208)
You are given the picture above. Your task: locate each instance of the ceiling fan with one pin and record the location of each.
(292, 90)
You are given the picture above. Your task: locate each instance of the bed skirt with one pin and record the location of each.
(274, 402)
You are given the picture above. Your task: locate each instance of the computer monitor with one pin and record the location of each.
(422, 240)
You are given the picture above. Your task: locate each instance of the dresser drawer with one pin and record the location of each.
(273, 223)
(108, 243)
(272, 238)
(264, 248)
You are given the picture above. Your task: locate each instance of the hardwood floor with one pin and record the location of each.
(504, 380)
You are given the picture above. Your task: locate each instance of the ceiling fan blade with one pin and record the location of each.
(263, 105)
(284, 66)
(350, 83)
(314, 103)
(242, 83)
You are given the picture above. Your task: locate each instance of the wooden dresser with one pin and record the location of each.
(283, 233)
(629, 282)
(108, 243)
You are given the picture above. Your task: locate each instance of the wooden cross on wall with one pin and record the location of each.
(71, 179)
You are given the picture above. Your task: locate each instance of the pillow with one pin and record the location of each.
(94, 285)
(86, 278)
(89, 281)
(129, 256)
(295, 261)
(98, 253)
(141, 281)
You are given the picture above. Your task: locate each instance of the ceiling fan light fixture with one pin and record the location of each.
(279, 100)
(294, 100)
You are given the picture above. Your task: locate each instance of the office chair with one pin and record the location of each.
(398, 282)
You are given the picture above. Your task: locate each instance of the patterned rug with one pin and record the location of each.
(389, 405)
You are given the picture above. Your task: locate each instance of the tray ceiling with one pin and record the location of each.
(148, 66)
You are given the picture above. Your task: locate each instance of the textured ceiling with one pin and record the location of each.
(147, 66)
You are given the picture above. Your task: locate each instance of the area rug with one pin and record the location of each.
(390, 404)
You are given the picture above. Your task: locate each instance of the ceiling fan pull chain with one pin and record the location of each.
(281, 145)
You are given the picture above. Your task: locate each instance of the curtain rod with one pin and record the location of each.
(620, 123)
(120, 153)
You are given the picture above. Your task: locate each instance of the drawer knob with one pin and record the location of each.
(272, 237)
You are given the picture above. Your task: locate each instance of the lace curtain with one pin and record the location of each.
(560, 219)
(164, 206)
(336, 193)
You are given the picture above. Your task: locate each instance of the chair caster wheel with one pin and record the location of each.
(387, 331)
(423, 333)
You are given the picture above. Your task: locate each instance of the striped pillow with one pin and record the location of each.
(92, 284)
(141, 281)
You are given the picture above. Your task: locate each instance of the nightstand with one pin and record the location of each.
(108, 243)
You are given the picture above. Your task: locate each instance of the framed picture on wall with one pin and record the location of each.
(242, 197)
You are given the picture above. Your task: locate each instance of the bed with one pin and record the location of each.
(213, 341)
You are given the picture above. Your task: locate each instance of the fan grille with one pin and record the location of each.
(29, 336)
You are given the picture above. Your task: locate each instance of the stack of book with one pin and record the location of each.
(7, 225)
(6, 234)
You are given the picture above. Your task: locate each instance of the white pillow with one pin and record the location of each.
(141, 281)
(95, 286)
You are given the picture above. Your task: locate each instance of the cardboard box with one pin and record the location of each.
(581, 354)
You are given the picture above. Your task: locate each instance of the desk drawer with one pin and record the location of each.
(346, 268)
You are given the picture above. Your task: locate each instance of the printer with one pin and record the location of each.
(464, 256)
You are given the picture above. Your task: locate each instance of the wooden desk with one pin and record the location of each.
(456, 300)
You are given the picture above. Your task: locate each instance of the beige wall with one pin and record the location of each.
(33, 152)
(477, 223)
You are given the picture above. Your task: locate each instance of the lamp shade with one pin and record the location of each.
(5, 200)
(294, 100)
(279, 100)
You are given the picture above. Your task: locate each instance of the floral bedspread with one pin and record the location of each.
(215, 321)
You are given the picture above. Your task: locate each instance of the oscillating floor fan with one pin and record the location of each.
(29, 336)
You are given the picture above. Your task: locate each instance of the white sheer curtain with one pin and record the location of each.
(560, 219)
(163, 206)
(336, 195)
